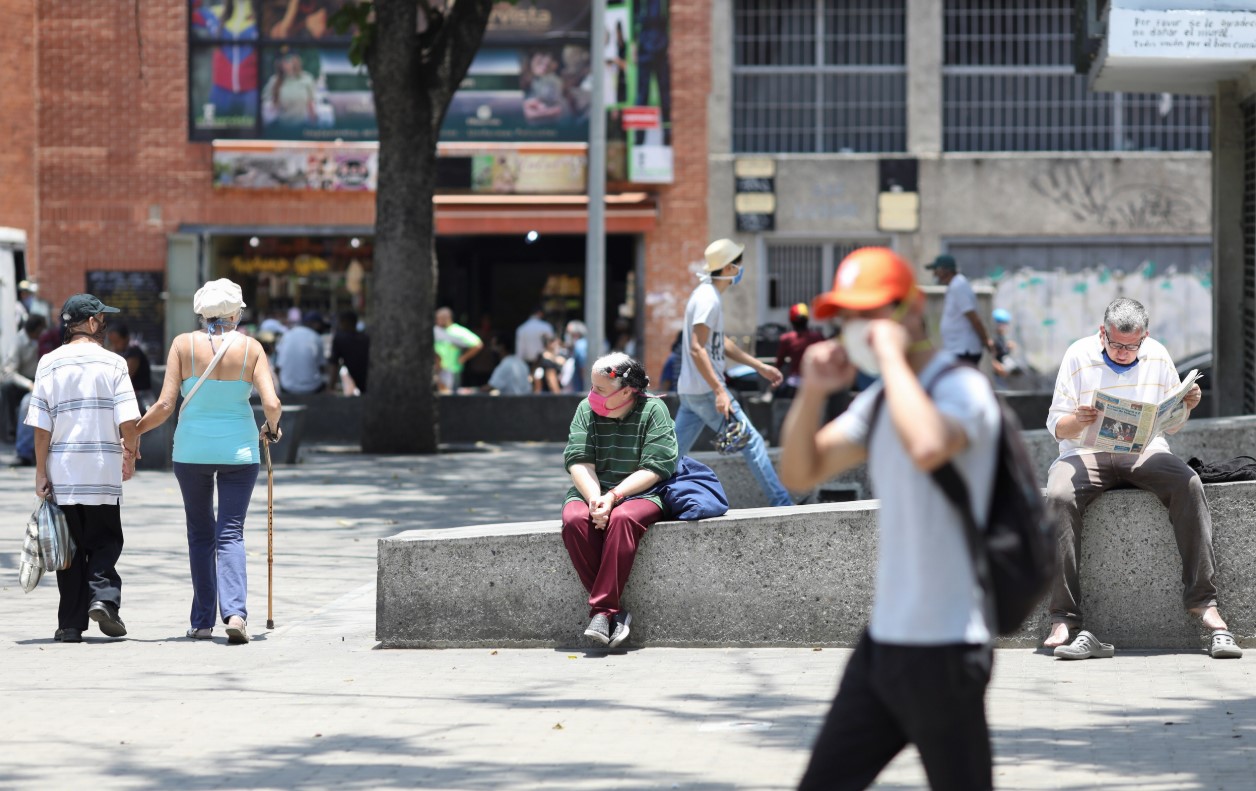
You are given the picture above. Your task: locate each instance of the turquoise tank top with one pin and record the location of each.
(217, 427)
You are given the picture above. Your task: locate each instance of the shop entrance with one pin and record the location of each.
(493, 283)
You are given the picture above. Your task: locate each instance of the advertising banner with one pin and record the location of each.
(332, 168)
(275, 70)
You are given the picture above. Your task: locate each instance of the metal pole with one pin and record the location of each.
(595, 246)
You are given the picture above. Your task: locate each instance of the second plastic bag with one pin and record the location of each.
(32, 566)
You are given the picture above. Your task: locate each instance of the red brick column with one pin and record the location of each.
(681, 235)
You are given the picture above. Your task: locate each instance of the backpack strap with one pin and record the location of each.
(879, 402)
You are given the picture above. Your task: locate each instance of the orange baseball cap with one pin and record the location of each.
(866, 279)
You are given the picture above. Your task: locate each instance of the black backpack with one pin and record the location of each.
(1239, 468)
(1015, 556)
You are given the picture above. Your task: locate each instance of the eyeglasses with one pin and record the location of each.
(1122, 347)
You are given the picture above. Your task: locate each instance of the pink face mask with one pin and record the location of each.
(597, 401)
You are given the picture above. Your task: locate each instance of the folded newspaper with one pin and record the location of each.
(1127, 426)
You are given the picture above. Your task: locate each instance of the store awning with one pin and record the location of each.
(626, 212)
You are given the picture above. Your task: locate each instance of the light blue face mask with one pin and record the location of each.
(741, 270)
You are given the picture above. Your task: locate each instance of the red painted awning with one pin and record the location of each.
(626, 212)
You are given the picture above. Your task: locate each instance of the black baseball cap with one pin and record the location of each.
(82, 307)
(943, 261)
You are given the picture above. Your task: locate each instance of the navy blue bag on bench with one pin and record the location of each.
(693, 492)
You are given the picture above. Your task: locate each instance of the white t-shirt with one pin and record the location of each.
(530, 338)
(82, 394)
(1084, 371)
(926, 589)
(704, 307)
(958, 335)
(299, 358)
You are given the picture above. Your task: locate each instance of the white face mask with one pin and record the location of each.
(855, 340)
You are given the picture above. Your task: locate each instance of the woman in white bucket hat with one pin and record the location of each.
(216, 446)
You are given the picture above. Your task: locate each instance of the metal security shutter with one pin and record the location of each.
(795, 274)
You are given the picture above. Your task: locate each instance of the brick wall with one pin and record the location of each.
(681, 235)
(116, 170)
(17, 116)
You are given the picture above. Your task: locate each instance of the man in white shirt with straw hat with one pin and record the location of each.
(704, 400)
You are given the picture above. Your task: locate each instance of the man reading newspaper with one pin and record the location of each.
(1116, 395)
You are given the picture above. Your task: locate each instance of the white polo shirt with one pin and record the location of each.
(82, 394)
(1084, 372)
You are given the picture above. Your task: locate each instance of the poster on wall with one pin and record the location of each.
(275, 70)
(293, 166)
(646, 115)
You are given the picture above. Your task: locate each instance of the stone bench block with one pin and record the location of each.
(781, 577)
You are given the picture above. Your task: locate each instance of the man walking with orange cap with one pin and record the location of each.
(704, 400)
(919, 673)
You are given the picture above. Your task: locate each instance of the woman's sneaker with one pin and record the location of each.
(622, 621)
(599, 629)
(237, 631)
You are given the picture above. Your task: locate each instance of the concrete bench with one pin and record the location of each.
(1210, 439)
(780, 577)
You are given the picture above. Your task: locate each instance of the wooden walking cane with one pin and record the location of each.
(270, 530)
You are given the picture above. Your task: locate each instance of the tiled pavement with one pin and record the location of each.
(313, 704)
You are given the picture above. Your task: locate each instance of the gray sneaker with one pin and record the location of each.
(622, 621)
(599, 629)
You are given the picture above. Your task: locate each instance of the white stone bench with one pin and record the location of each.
(780, 577)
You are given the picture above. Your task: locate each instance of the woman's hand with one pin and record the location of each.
(600, 510)
(266, 435)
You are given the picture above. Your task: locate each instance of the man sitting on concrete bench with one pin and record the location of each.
(1122, 360)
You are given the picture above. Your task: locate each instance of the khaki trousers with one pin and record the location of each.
(1074, 482)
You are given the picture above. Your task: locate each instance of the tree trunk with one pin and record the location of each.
(400, 408)
(413, 78)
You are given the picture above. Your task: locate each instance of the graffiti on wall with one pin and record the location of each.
(1084, 189)
(1052, 309)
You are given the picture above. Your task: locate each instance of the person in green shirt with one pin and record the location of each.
(621, 443)
(455, 344)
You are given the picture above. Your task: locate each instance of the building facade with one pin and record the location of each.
(956, 126)
(1207, 49)
(116, 121)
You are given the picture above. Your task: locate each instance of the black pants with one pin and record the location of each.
(895, 695)
(12, 396)
(91, 577)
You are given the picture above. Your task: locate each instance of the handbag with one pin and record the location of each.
(56, 547)
(227, 341)
(693, 492)
(31, 569)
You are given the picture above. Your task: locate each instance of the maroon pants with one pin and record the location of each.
(603, 558)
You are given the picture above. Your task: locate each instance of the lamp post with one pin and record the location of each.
(595, 244)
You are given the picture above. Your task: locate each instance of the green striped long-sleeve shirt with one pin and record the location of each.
(643, 439)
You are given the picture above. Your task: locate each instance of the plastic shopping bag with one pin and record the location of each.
(32, 566)
(55, 543)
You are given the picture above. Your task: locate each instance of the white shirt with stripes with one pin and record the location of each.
(1084, 372)
(82, 394)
